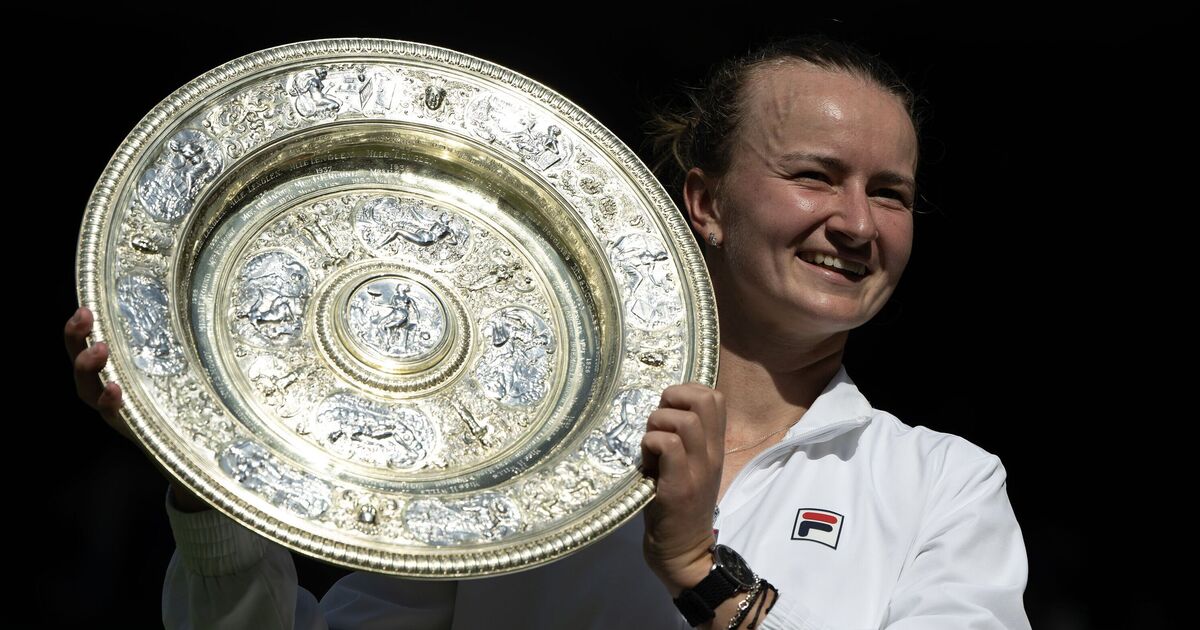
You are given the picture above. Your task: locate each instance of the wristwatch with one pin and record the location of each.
(729, 575)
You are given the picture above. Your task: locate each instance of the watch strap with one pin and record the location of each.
(699, 603)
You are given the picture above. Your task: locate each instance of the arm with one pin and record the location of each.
(967, 566)
(225, 576)
(683, 449)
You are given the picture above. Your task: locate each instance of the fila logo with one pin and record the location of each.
(820, 526)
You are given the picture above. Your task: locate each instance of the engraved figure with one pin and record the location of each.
(317, 228)
(474, 429)
(309, 89)
(168, 188)
(515, 367)
(271, 378)
(486, 516)
(651, 295)
(384, 219)
(142, 301)
(255, 468)
(395, 437)
(503, 268)
(397, 318)
(616, 446)
(434, 96)
(550, 496)
(540, 148)
(269, 302)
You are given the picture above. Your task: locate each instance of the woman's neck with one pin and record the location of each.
(769, 383)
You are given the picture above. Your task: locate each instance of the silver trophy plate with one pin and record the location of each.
(392, 306)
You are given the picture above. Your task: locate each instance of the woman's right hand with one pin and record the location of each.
(106, 398)
(88, 362)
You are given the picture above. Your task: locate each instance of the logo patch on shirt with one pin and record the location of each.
(817, 525)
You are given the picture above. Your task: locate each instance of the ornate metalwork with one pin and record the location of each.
(393, 306)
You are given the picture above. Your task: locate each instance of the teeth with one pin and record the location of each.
(835, 262)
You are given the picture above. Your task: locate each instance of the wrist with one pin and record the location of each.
(689, 575)
(186, 501)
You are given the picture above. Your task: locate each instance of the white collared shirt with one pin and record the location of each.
(859, 520)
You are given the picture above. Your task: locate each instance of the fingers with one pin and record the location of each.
(664, 458)
(76, 331)
(88, 364)
(707, 403)
(690, 429)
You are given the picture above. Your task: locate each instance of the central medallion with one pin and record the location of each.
(396, 317)
(392, 328)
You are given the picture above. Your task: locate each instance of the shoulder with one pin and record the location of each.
(936, 468)
(934, 449)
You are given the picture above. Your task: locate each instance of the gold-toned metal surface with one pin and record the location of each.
(393, 306)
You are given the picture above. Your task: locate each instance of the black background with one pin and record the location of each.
(1003, 329)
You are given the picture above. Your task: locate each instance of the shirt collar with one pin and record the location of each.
(839, 408)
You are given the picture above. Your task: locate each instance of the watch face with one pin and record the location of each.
(734, 565)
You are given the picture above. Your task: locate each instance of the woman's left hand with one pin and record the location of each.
(684, 448)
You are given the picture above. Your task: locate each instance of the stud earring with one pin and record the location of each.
(712, 239)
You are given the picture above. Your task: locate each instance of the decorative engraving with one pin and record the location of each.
(308, 87)
(384, 223)
(515, 366)
(649, 289)
(387, 436)
(257, 469)
(268, 305)
(553, 494)
(322, 227)
(271, 378)
(190, 160)
(516, 128)
(616, 446)
(397, 318)
(434, 96)
(250, 118)
(486, 516)
(502, 267)
(142, 301)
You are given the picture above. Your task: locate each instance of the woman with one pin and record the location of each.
(798, 167)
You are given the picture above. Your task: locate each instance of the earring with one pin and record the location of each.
(712, 239)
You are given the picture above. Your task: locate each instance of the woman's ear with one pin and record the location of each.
(699, 195)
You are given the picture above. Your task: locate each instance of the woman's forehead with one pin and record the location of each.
(787, 103)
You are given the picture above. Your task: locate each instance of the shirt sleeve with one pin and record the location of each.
(967, 567)
(223, 575)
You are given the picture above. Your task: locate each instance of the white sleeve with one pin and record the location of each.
(967, 567)
(223, 575)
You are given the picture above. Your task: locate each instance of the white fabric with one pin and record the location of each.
(928, 540)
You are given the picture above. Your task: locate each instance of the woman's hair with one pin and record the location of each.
(701, 131)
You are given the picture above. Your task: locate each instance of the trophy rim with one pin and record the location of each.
(445, 563)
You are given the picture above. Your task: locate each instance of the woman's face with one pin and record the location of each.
(823, 164)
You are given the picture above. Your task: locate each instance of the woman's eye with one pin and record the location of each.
(892, 194)
(812, 175)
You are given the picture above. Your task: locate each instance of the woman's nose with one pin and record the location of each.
(853, 219)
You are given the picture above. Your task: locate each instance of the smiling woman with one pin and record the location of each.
(784, 498)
